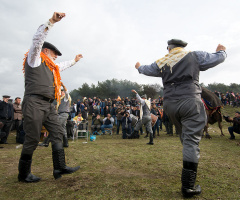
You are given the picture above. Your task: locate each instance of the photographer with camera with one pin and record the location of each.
(126, 125)
(236, 125)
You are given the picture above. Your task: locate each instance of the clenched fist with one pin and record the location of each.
(78, 57)
(137, 65)
(134, 91)
(220, 48)
(57, 16)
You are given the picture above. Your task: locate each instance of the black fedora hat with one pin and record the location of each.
(52, 47)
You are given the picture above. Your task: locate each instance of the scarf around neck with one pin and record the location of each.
(56, 74)
(171, 59)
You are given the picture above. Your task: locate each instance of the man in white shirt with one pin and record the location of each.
(145, 116)
(64, 111)
(42, 86)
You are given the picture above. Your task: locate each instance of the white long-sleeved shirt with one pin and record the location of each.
(34, 59)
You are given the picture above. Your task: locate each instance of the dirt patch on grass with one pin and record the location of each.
(113, 170)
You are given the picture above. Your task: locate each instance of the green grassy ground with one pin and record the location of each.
(113, 168)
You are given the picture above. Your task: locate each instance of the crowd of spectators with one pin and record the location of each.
(230, 98)
(119, 114)
(117, 107)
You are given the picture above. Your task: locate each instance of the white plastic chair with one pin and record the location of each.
(81, 133)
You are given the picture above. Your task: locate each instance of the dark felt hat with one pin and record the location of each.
(237, 112)
(6, 96)
(177, 42)
(52, 47)
(144, 96)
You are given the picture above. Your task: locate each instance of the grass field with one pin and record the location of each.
(113, 168)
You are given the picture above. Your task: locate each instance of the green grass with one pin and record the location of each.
(113, 168)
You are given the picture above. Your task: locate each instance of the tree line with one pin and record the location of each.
(114, 88)
(220, 87)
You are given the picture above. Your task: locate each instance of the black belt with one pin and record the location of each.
(180, 83)
(41, 97)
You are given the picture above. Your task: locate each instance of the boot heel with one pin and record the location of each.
(56, 174)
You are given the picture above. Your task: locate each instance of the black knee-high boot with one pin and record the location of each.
(189, 174)
(146, 135)
(59, 164)
(24, 168)
(136, 135)
(65, 141)
(151, 139)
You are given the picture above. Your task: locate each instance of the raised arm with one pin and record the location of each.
(209, 60)
(66, 92)
(139, 99)
(39, 37)
(149, 70)
(70, 63)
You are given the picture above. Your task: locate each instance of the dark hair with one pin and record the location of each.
(17, 98)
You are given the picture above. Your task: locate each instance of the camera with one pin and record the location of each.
(127, 114)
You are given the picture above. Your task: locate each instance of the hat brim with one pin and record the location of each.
(52, 47)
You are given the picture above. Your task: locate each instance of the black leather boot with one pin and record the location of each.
(136, 134)
(151, 139)
(146, 135)
(189, 174)
(45, 142)
(24, 169)
(59, 164)
(65, 141)
(2, 134)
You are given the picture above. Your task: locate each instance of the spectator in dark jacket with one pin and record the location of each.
(119, 113)
(113, 113)
(97, 122)
(2, 134)
(106, 111)
(6, 117)
(85, 113)
(95, 112)
(236, 125)
(126, 125)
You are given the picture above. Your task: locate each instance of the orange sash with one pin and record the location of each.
(56, 74)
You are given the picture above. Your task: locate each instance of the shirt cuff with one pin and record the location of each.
(48, 25)
(140, 69)
(223, 52)
(73, 62)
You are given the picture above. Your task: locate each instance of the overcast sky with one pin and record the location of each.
(113, 35)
